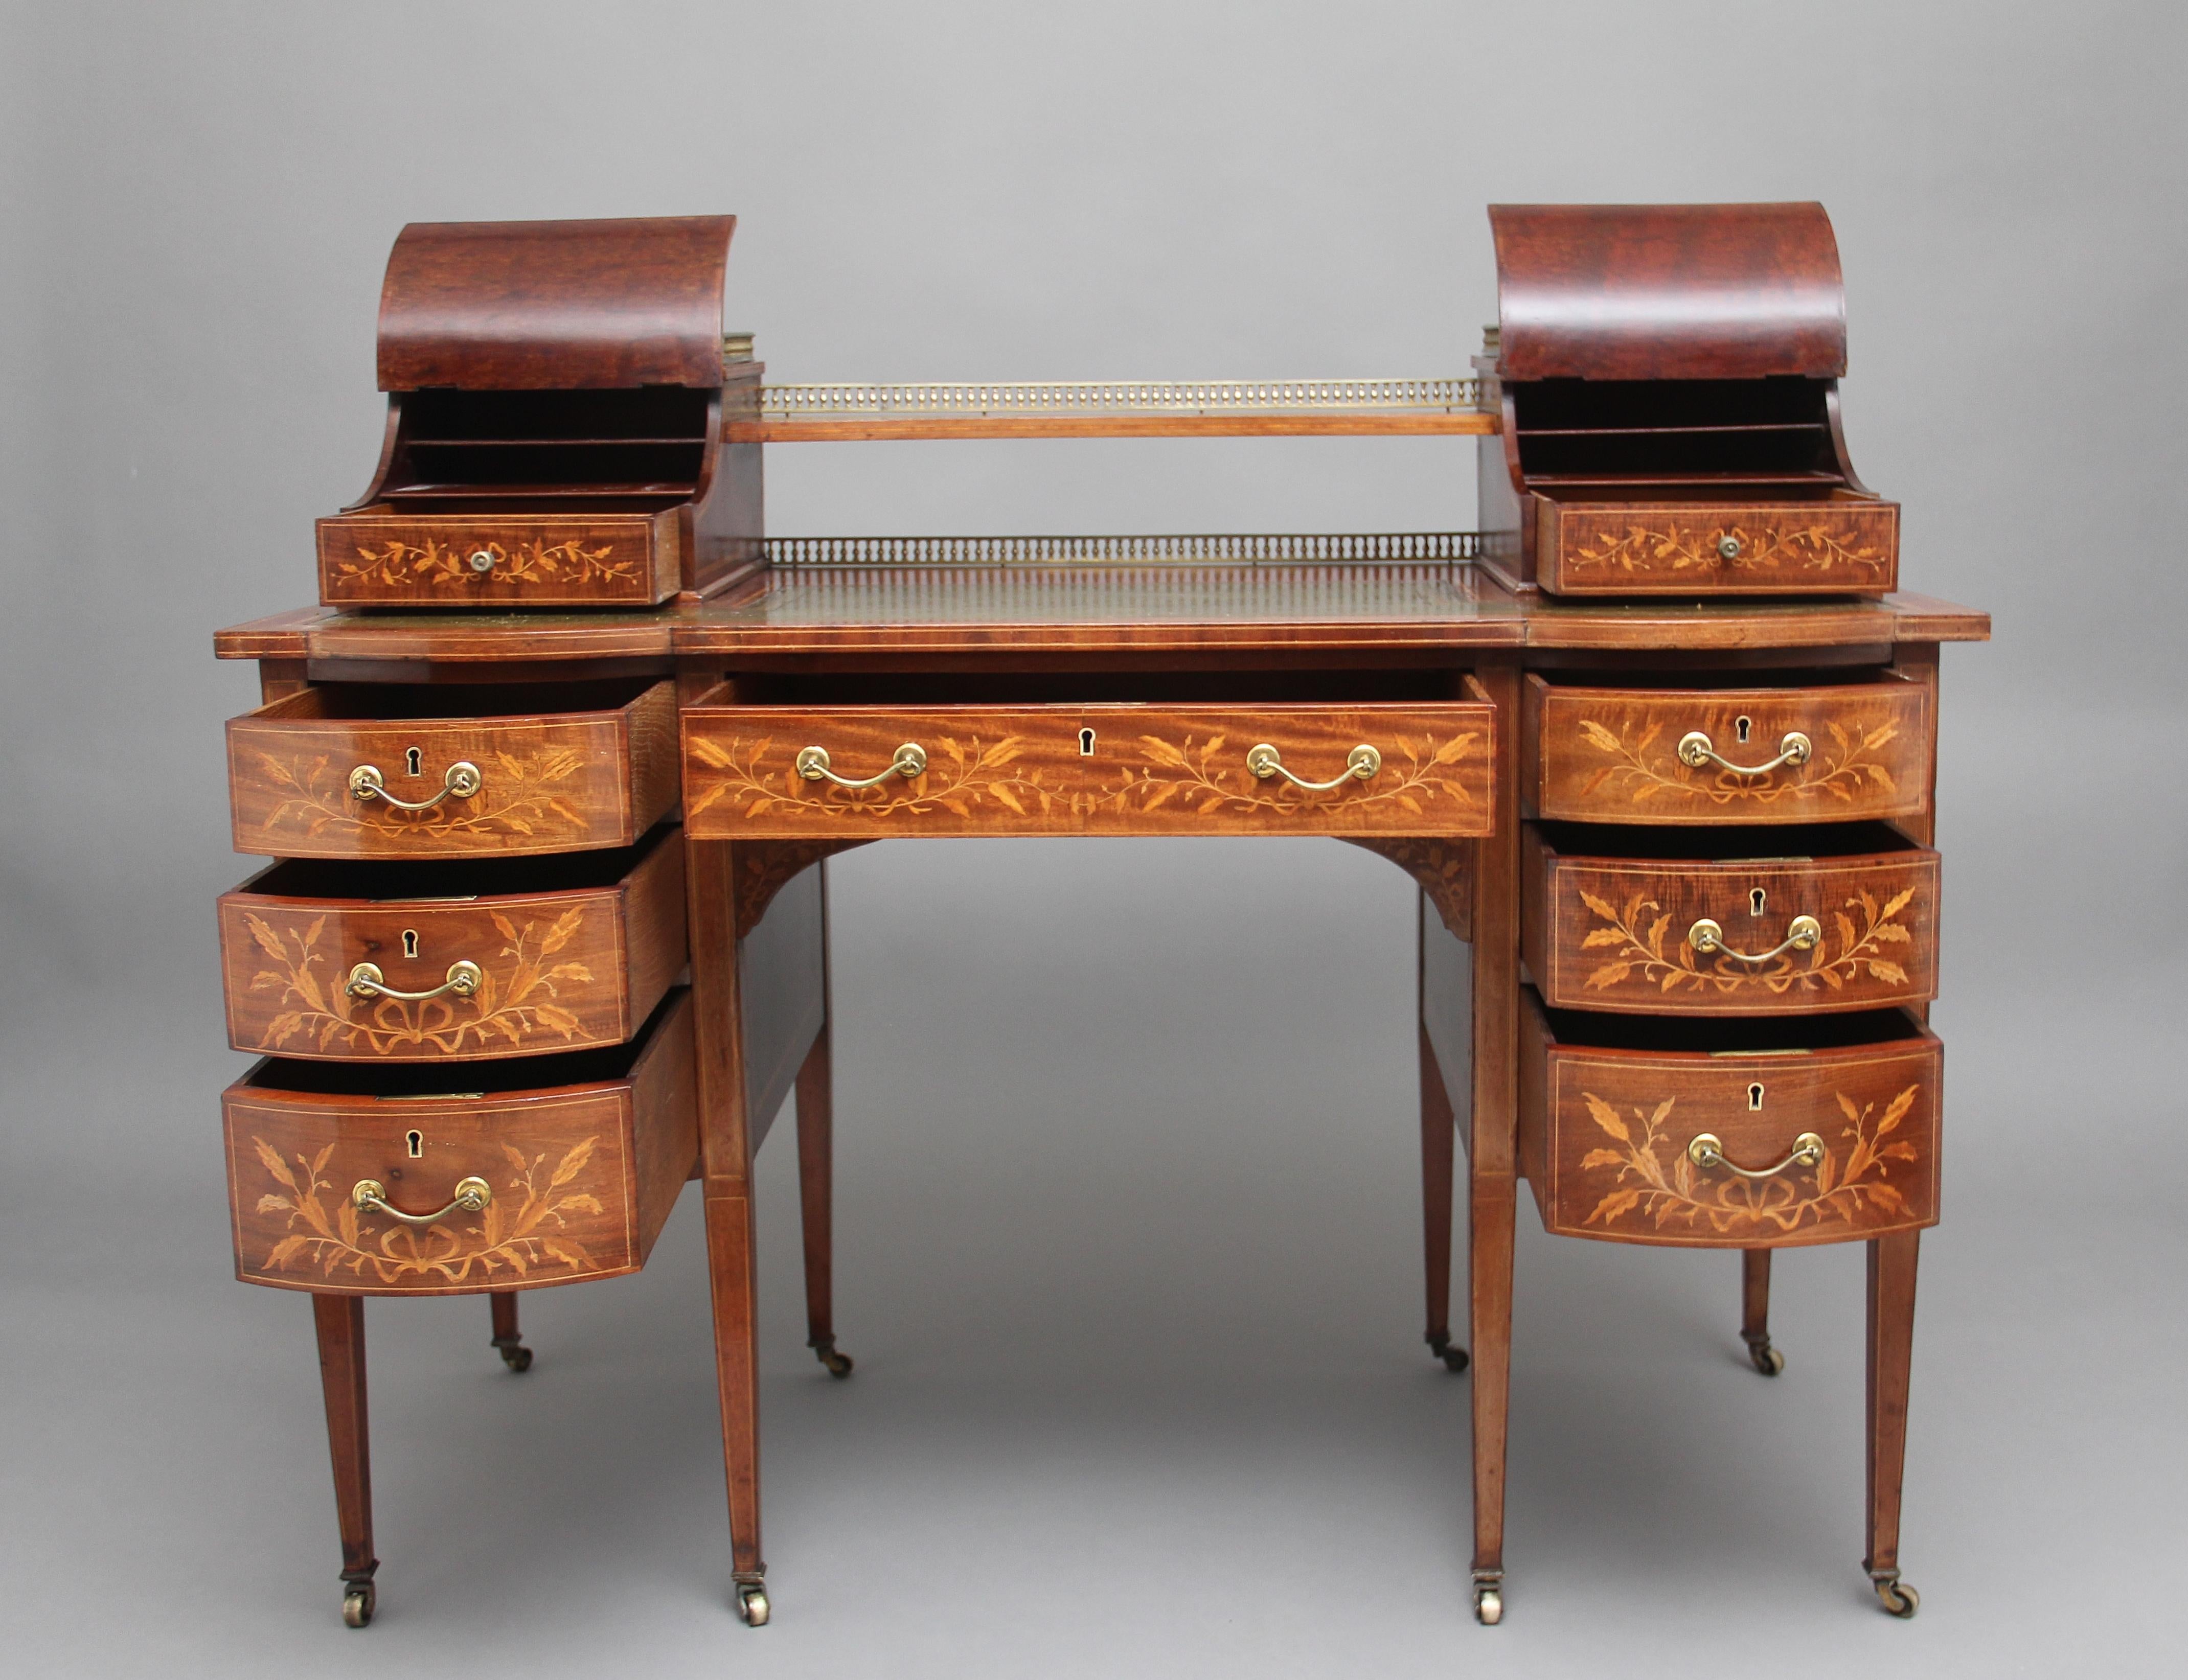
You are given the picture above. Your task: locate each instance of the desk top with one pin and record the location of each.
(985, 613)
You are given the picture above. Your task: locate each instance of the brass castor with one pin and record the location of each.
(1897, 1597)
(824, 1350)
(1454, 1358)
(1765, 1358)
(358, 1603)
(514, 1354)
(1489, 1599)
(752, 1604)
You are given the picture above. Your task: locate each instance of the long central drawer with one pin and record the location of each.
(1366, 767)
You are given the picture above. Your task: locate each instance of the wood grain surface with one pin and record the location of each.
(1611, 754)
(1847, 544)
(371, 558)
(1152, 769)
(583, 1176)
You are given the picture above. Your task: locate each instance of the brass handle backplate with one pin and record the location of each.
(1803, 932)
(369, 1195)
(1708, 1150)
(910, 760)
(461, 781)
(1359, 764)
(365, 980)
(1695, 752)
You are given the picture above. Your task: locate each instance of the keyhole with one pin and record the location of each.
(414, 761)
(410, 941)
(1740, 726)
(1087, 743)
(1754, 904)
(1755, 1097)
(416, 1142)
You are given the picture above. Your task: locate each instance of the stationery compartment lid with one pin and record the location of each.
(1659, 292)
(517, 306)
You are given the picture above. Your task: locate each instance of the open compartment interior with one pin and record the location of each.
(1601, 439)
(454, 879)
(1729, 1036)
(520, 451)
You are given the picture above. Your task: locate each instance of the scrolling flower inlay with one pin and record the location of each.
(1849, 767)
(448, 565)
(1809, 548)
(958, 776)
(1649, 1187)
(1182, 772)
(519, 796)
(343, 1239)
(517, 999)
(1641, 954)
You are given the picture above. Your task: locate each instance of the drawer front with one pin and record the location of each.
(562, 782)
(1621, 934)
(1091, 770)
(581, 1179)
(1616, 755)
(1606, 1140)
(496, 561)
(1717, 548)
(521, 975)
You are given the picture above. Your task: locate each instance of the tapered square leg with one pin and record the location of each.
(1439, 1147)
(508, 1339)
(339, 1320)
(1891, 1261)
(816, 1193)
(1755, 1311)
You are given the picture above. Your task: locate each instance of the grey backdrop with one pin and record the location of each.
(1127, 1216)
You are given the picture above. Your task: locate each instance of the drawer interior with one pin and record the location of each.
(545, 451)
(1749, 677)
(1804, 842)
(370, 703)
(377, 883)
(415, 1079)
(1741, 1035)
(1770, 436)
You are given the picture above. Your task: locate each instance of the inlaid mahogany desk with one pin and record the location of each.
(1679, 907)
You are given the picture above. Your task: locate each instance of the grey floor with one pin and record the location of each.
(1128, 1258)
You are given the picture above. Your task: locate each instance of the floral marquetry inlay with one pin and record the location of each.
(1641, 549)
(518, 998)
(332, 1236)
(518, 797)
(1636, 939)
(1648, 1180)
(395, 564)
(1847, 764)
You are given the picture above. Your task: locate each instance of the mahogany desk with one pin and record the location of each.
(1179, 669)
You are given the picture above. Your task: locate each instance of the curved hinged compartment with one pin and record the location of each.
(1667, 376)
(556, 395)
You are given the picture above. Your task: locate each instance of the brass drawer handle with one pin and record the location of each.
(1803, 932)
(1695, 751)
(461, 781)
(365, 980)
(909, 761)
(1708, 1150)
(1359, 764)
(369, 1195)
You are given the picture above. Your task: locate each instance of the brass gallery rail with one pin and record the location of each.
(1315, 408)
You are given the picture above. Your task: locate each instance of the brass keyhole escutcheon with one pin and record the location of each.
(1087, 743)
(1742, 728)
(1728, 547)
(415, 1142)
(414, 762)
(410, 941)
(1755, 902)
(1754, 1097)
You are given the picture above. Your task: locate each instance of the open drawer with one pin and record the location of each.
(430, 961)
(1729, 1134)
(351, 1180)
(1340, 766)
(404, 771)
(1728, 921)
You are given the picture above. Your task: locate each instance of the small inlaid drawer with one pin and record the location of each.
(383, 1180)
(427, 962)
(1847, 544)
(1728, 921)
(769, 772)
(401, 770)
(1810, 751)
(1729, 1134)
(379, 558)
